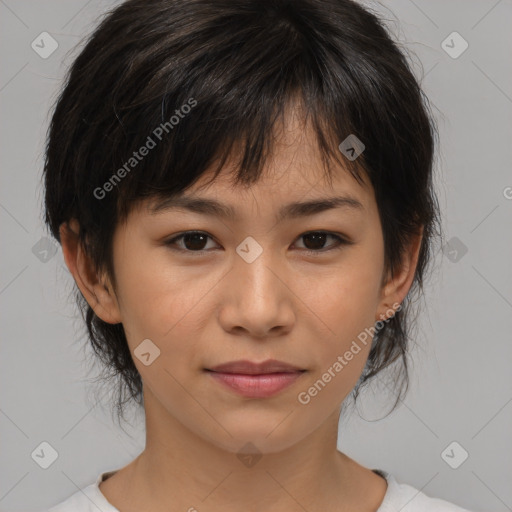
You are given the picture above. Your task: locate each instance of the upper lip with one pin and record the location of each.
(252, 368)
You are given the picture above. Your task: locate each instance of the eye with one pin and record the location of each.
(196, 242)
(315, 240)
(193, 241)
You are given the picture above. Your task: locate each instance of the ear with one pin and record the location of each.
(96, 289)
(394, 290)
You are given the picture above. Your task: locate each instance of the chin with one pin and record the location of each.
(253, 434)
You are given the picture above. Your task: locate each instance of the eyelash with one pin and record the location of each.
(340, 242)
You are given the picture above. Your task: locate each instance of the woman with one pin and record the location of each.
(243, 194)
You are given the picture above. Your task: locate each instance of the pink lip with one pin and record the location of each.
(256, 380)
(251, 368)
(257, 386)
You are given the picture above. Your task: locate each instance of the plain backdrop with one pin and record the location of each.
(460, 401)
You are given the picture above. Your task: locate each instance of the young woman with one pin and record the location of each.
(243, 194)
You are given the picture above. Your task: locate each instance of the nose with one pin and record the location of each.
(257, 301)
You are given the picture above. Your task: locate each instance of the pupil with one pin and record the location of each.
(196, 242)
(317, 237)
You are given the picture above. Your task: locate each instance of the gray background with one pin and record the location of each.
(461, 385)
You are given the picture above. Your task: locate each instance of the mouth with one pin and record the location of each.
(256, 380)
(252, 368)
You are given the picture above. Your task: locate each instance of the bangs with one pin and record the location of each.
(245, 144)
(209, 82)
(166, 91)
(190, 127)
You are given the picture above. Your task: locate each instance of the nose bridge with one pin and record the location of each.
(259, 302)
(253, 267)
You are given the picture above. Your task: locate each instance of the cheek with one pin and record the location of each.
(346, 303)
(349, 296)
(164, 302)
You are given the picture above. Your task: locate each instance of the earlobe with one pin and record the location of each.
(396, 288)
(95, 288)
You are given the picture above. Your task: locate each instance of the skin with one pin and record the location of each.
(203, 310)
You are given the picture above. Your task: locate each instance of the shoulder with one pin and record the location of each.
(406, 498)
(88, 499)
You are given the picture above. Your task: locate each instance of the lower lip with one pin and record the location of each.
(256, 386)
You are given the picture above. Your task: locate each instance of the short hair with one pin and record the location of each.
(195, 82)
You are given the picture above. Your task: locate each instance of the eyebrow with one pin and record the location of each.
(292, 210)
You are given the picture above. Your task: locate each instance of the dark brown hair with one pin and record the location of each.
(237, 66)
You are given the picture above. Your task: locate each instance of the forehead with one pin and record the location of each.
(295, 170)
(284, 188)
(293, 173)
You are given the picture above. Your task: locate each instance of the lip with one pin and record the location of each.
(256, 380)
(246, 367)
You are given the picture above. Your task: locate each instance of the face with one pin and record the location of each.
(300, 289)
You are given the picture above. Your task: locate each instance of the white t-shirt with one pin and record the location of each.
(398, 498)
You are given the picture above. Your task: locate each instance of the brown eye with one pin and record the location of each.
(314, 241)
(194, 241)
(191, 241)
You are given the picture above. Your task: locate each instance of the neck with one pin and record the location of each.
(179, 470)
